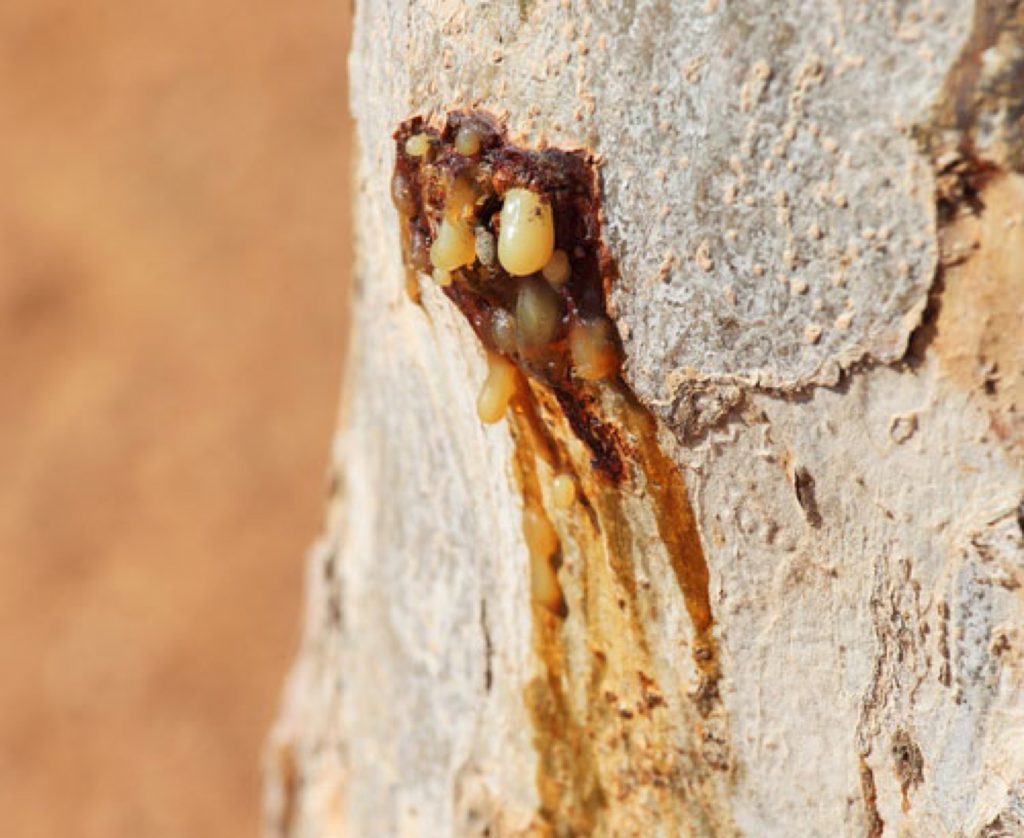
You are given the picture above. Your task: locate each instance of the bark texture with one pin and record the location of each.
(817, 212)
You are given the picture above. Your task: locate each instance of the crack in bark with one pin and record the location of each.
(488, 648)
(803, 486)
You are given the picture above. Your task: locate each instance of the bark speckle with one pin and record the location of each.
(902, 427)
(908, 764)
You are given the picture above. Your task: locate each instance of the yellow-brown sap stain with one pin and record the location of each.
(567, 778)
(605, 730)
(612, 723)
(677, 526)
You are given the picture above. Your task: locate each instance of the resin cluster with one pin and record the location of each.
(512, 236)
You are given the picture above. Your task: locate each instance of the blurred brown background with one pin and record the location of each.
(173, 259)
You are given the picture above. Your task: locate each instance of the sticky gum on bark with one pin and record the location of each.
(613, 728)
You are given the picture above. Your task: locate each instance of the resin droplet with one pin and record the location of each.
(527, 237)
(401, 195)
(557, 271)
(419, 252)
(542, 542)
(497, 391)
(467, 142)
(461, 203)
(503, 330)
(486, 249)
(563, 491)
(541, 537)
(538, 313)
(595, 355)
(418, 145)
(454, 246)
(442, 277)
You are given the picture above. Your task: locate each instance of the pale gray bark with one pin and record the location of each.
(772, 174)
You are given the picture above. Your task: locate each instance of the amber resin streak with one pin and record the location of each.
(605, 509)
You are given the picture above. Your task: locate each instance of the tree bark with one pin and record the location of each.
(801, 613)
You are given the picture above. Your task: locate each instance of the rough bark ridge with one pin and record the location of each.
(818, 216)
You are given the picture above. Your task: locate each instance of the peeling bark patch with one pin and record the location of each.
(658, 750)
(981, 109)
(908, 764)
(977, 328)
(975, 140)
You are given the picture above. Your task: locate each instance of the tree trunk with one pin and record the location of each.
(798, 608)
